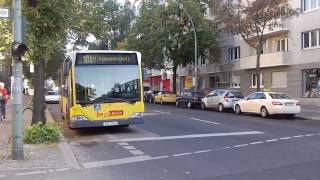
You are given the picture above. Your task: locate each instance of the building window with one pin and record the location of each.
(279, 79)
(311, 39)
(310, 4)
(235, 82)
(254, 80)
(282, 44)
(234, 53)
(312, 83)
(214, 81)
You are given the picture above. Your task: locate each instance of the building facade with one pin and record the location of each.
(290, 62)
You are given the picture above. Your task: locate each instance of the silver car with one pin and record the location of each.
(221, 99)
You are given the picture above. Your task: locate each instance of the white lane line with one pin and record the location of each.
(62, 169)
(205, 121)
(162, 112)
(160, 157)
(129, 147)
(123, 144)
(136, 152)
(116, 161)
(182, 154)
(285, 138)
(203, 151)
(2, 176)
(241, 145)
(318, 134)
(307, 135)
(191, 136)
(271, 140)
(51, 170)
(225, 148)
(258, 142)
(31, 173)
(298, 136)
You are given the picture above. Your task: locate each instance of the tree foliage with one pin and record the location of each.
(251, 19)
(161, 31)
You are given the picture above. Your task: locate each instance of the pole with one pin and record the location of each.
(17, 71)
(195, 43)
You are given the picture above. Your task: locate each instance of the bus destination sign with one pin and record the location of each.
(106, 59)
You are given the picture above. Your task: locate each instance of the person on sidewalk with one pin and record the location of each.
(3, 99)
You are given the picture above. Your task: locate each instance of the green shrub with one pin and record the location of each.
(40, 133)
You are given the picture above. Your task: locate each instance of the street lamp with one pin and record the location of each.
(195, 41)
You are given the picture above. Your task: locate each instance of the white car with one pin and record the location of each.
(268, 103)
(52, 97)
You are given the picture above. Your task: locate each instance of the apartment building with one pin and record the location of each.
(290, 62)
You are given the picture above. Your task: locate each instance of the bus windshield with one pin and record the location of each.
(107, 83)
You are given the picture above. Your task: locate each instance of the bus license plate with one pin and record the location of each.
(112, 123)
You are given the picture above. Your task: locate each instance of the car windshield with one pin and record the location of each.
(198, 94)
(236, 94)
(279, 96)
(107, 83)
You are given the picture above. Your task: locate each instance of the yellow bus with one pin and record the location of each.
(102, 88)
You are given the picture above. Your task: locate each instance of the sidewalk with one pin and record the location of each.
(36, 156)
(310, 112)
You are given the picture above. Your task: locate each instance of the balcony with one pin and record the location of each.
(209, 68)
(266, 60)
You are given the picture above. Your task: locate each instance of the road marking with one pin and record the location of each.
(129, 147)
(2, 176)
(117, 161)
(258, 142)
(307, 135)
(210, 122)
(284, 138)
(271, 140)
(62, 169)
(191, 136)
(241, 145)
(203, 151)
(160, 157)
(182, 154)
(123, 144)
(136, 152)
(162, 112)
(225, 148)
(297, 136)
(31, 173)
(318, 134)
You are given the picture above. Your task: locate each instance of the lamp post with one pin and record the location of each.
(195, 84)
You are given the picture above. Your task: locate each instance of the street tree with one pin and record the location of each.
(167, 32)
(252, 19)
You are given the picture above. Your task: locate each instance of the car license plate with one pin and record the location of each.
(111, 123)
(289, 104)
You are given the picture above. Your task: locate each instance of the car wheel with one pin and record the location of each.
(264, 112)
(220, 108)
(189, 105)
(177, 104)
(290, 116)
(238, 109)
(203, 106)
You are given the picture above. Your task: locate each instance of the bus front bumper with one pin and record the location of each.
(105, 123)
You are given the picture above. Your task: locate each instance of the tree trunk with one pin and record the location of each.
(174, 80)
(39, 104)
(259, 50)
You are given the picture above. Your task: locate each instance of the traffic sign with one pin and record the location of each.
(4, 13)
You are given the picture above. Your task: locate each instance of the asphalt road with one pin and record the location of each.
(178, 143)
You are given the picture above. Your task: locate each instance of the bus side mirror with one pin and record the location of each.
(144, 74)
(66, 68)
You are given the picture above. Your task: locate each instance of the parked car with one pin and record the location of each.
(221, 99)
(164, 97)
(149, 96)
(52, 97)
(189, 98)
(268, 103)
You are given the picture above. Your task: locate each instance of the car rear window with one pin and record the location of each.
(279, 96)
(52, 93)
(236, 94)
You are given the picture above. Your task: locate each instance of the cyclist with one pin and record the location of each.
(3, 99)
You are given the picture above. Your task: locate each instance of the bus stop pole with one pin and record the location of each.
(17, 71)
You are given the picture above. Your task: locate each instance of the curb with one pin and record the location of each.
(65, 147)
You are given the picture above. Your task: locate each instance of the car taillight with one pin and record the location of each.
(226, 99)
(195, 98)
(298, 104)
(276, 103)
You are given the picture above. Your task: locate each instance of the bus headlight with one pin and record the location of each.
(79, 118)
(137, 115)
